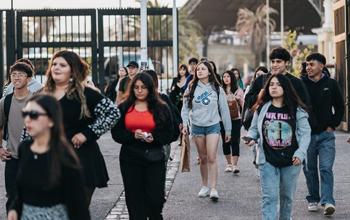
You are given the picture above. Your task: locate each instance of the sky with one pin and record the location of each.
(39, 4)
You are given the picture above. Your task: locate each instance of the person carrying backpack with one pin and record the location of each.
(11, 125)
(206, 101)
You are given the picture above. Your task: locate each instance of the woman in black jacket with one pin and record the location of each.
(142, 130)
(49, 180)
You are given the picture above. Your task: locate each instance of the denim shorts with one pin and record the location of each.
(205, 130)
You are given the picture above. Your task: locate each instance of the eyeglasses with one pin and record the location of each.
(32, 114)
(18, 74)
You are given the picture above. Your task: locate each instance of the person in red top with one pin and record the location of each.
(142, 130)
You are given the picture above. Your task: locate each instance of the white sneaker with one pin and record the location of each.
(329, 209)
(204, 192)
(214, 196)
(228, 168)
(312, 207)
(235, 169)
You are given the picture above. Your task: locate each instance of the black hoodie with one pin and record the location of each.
(327, 104)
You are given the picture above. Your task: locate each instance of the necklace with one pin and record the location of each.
(35, 156)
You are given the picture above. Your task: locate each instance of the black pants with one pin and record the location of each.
(11, 169)
(232, 147)
(144, 184)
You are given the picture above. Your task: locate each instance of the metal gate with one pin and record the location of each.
(106, 39)
(40, 33)
(119, 41)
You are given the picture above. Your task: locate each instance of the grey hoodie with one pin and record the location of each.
(205, 109)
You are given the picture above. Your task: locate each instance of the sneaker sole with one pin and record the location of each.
(313, 210)
(214, 199)
(202, 196)
(329, 211)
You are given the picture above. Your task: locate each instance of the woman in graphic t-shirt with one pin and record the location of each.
(281, 128)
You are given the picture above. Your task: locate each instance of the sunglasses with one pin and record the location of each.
(32, 114)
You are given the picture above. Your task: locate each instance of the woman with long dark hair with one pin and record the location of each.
(238, 77)
(113, 85)
(280, 127)
(206, 101)
(234, 96)
(143, 130)
(49, 180)
(86, 115)
(178, 86)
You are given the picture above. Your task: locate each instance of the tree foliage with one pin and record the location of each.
(252, 27)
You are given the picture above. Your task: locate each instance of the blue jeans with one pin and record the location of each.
(322, 149)
(204, 131)
(278, 183)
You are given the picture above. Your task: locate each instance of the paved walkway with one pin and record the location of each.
(240, 194)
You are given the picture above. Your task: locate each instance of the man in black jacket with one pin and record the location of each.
(326, 111)
(280, 59)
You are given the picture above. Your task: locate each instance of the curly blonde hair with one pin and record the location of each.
(80, 70)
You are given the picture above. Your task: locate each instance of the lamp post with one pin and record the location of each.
(282, 22)
(175, 40)
(267, 34)
(143, 14)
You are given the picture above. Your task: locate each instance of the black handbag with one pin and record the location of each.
(154, 154)
(247, 118)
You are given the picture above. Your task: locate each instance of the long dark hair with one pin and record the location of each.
(233, 84)
(290, 97)
(183, 66)
(194, 82)
(61, 152)
(239, 73)
(154, 103)
(80, 70)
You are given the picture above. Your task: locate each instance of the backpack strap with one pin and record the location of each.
(7, 106)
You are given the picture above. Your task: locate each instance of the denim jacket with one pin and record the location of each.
(302, 133)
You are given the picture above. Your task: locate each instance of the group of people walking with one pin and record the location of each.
(292, 127)
(53, 162)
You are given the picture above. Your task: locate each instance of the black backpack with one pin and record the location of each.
(7, 106)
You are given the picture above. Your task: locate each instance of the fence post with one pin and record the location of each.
(1, 56)
(10, 39)
(94, 54)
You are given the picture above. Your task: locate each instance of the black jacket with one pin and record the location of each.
(325, 97)
(259, 82)
(162, 134)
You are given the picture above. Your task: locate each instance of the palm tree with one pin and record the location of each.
(252, 26)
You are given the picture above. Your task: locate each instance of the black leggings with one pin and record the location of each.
(232, 147)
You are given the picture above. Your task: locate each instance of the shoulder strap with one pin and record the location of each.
(7, 106)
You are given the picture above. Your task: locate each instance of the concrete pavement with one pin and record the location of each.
(240, 194)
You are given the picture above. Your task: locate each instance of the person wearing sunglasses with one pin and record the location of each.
(11, 124)
(49, 179)
(86, 114)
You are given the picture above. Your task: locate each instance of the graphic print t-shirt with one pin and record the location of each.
(279, 136)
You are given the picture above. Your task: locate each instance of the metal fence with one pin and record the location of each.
(106, 39)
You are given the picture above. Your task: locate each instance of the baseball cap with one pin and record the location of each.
(133, 63)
